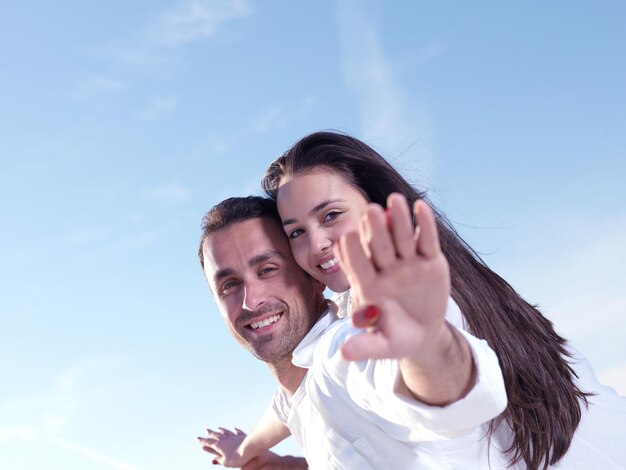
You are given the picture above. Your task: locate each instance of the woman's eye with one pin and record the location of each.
(331, 215)
(296, 233)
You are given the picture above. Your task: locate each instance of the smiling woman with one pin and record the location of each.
(556, 406)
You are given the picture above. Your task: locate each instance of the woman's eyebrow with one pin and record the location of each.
(315, 209)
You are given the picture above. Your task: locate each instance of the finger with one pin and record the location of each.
(227, 432)
(211, 451)
(401, 225)
(364, 235)
(354, 263)
(206, 441)
(366, 317)
(366, 346)
(426, 230)
(378, 237)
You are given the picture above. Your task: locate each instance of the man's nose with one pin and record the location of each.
(254, 295)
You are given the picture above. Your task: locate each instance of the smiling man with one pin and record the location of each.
(373, 413)
(268, 303)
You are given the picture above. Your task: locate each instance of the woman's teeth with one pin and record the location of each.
(267, 321)
(329, 264)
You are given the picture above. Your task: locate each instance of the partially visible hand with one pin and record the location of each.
(224, 444)
(401, 271)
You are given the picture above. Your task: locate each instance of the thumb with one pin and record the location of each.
(365, 346)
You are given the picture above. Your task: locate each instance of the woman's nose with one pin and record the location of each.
(319, 242)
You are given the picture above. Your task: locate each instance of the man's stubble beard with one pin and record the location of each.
(298, 325)
(275, 347)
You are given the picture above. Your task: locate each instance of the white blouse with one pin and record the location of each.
(347, 415)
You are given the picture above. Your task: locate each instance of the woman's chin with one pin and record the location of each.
(335, 281)
(338, 286)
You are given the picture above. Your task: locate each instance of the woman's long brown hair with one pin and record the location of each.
(544, 403)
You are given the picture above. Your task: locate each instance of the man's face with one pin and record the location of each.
(266, 300)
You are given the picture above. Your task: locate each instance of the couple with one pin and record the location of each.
(399, 383)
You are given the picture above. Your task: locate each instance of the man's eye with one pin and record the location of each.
(267, 270)
(229, 285)
(296, 233)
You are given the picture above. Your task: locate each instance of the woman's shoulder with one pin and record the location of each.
(342, 301)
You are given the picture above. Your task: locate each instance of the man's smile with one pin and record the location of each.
(261, 324)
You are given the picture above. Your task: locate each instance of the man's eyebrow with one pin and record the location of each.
(317, 208)
(222, 273)
(263, 257)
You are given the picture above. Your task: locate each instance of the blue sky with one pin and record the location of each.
(122, 123)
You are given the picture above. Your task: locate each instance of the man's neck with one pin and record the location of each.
(288, 375)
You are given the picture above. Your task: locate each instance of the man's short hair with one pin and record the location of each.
(233, 210)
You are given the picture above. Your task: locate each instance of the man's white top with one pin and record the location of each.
(347, 415)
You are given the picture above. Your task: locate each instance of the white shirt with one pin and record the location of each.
(599, 442)
(346, 415)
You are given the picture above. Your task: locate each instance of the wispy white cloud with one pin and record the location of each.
(167, 195)
(33, 419)
(194, 20)
(185, 23)
(592, 269)
(19, 432)
(89, 235)
(388, 118)
(46, 411)
(92, 454)
(307, 106)
(220, 148)
(27, 418)
(158, 107)
(96, 85)
(275, 117)
(271, 118)
(579, 283)
(431, 51)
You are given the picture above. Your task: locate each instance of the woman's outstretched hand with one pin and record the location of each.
(400, 283)
(401, 271)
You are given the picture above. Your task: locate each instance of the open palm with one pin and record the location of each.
(400, 270)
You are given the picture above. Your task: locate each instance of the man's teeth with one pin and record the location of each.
(329, 264)
(267, 321)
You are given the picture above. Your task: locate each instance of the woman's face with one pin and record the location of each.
(317, 207)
